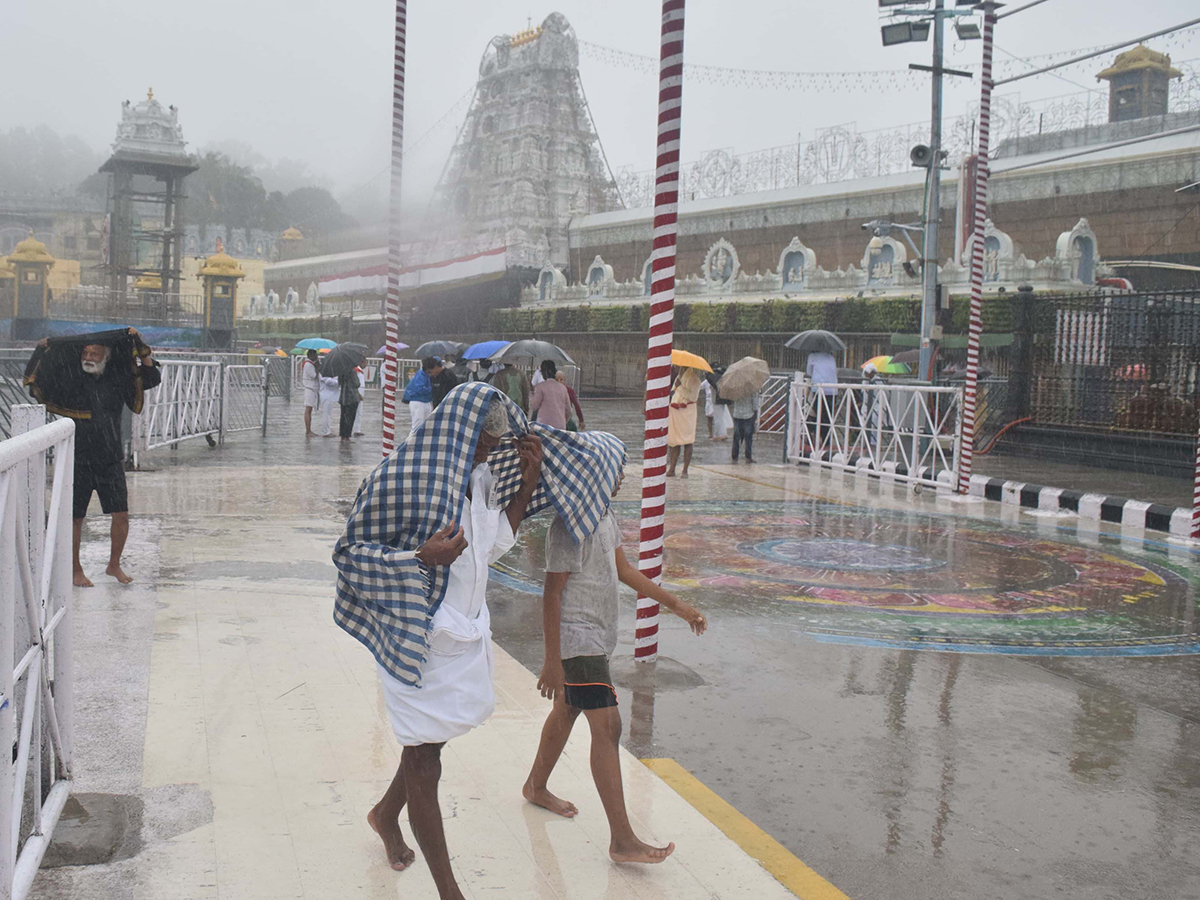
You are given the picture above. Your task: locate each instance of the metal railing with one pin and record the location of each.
(35, 639)
(243, 400)
(1119, 362)
(773, 405)
(88, 303)
(186, 405)
(912, 432)
(12, 390)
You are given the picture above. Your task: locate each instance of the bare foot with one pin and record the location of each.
(671, 474)
(546, 800)
(81, 580)
(684, 475)
(328, 435)
(639, 852)
(399, 855)
(115, 570)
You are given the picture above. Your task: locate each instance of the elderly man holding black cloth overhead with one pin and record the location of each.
(89, 378)
(413, 573)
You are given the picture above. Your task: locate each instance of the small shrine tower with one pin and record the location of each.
(1139, 84)
(220, 274)
(291, 244)
(31, 265)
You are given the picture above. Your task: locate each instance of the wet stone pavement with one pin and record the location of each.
(917, 696)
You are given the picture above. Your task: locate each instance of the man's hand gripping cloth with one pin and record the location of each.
(386, 597)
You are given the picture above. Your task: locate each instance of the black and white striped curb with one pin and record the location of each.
(1176, 521)
(864, 465)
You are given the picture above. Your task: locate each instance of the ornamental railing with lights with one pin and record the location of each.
(842, 153)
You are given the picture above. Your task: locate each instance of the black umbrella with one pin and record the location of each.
(849, 375)
(535, 350)
(343, 359)
(440, 348)
(907, 356)
(816, 341)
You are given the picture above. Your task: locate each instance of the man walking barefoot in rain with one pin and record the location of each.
(95, 402)
(436, 687)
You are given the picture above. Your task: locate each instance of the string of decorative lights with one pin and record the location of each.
(762, 79)
(781, 80)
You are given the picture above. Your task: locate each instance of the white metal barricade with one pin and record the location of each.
(35, 643)
(186, 405)
(242, 407)
(912, 432)
(773, 405)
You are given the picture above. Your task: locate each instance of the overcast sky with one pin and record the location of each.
(312, 80)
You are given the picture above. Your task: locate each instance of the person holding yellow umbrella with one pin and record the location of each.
(681, 421)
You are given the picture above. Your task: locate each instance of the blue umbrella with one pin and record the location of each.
(485, 350)
(316, 344)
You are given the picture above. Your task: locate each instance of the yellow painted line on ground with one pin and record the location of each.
(788, 870)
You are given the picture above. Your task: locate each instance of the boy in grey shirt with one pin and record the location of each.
(579, 616)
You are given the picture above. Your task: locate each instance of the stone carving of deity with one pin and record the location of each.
(991, 264)
(720, 266)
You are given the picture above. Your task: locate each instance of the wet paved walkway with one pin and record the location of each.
(915, 696)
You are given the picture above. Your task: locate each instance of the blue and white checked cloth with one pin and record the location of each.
(386, 598)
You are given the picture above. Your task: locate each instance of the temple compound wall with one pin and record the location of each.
(1128, 198)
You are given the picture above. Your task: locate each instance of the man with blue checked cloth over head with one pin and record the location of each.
(413, 570)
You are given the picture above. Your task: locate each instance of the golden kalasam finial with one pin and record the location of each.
(150, 94)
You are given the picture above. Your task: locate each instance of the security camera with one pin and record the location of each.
(921, 156)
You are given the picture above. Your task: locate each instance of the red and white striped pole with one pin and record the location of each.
(662, 317)
(1196, 494)
(391, 311)
(975, 329)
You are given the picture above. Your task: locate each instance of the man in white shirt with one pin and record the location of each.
(822, 369)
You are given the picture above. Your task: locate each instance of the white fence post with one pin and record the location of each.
(44, 644)
(8, 591)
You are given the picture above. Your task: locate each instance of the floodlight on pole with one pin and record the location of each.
(920, 30)
(967, 30)
(897, 33)
(884, 4)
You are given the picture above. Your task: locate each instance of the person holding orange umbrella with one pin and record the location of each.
(681, 420)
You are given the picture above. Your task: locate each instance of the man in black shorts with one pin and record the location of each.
(116, 369)
(580, 622)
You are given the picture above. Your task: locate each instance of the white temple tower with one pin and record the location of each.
(527, 158)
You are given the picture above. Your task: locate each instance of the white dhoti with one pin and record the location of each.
(456, 692)
(722, 421)
(418, 412)
(330, 391)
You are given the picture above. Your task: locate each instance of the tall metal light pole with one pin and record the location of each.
(912, 20)
(933, 198)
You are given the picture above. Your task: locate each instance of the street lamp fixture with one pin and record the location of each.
(897, 33)
(967, 30)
